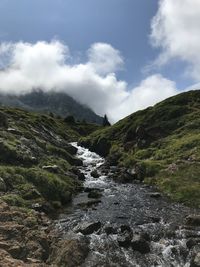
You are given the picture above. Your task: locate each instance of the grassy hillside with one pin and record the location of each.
(161, 144)
(36, 159)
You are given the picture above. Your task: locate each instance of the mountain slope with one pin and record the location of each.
(161, 144)
(36, 158)
(58, 103)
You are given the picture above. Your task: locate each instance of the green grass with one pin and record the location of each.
(29, 141)
(171, 136)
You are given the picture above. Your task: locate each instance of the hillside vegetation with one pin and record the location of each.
(36, 159)
(160, 145)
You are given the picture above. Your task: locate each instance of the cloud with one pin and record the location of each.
(93, 83)
(152, 90)
(176, 30)
(104, 58)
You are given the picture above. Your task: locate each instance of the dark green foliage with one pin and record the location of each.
(70, 119)
(3, 120)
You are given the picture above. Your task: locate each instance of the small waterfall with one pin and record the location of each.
(128, 206)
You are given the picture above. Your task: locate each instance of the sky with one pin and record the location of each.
(115, 56)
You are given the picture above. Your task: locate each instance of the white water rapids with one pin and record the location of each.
(127, 204)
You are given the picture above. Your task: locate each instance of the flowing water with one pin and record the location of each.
(127, 205)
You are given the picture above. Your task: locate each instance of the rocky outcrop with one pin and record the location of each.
(70, 252)
(25, 237)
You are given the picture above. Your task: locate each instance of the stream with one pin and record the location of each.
(129, 225)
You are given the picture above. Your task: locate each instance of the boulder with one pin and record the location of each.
(70, 149)
(193, 220)
(196, 260)
(77, 172)
(139, 244)
(101, 147)
(88, 228)
(191, 242)
(109, 230)
(51, 168)
(124, 239)
(94, 174)
(155, 195)
(14, 131)
(70, 253)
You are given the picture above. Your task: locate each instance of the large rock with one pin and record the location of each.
(79, 174)
(139, 244)
(196, 260)
(88, 228)
(51, 168)
(70, 149)
(124, 239)
(193, 220)
(94, 174)
(70, 253)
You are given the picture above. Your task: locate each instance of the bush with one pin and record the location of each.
(70, 119)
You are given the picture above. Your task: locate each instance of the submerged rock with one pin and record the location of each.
(139, 244)
(109, 230)
(95, 174)
(124, 239)
(87, 228)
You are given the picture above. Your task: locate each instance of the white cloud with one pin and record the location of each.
(152, 90)
(176, 30)
(94, 83)
(104, 58)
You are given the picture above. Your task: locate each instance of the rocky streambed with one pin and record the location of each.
(112, 224)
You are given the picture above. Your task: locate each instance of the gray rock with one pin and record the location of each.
(53, 168)
(79, 174)
(139, 244)
(95, 174)
(88, 228)
(124, 239)
(196, 260)
(193, 220)
(109, 230)
(155, 195)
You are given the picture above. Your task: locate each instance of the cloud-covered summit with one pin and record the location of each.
(93, 83)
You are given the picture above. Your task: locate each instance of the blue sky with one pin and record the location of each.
(126, 25)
